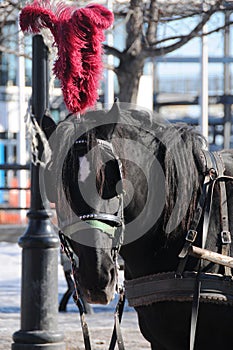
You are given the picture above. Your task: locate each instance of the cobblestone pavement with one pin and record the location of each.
(100, 327)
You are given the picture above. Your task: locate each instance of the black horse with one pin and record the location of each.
(123, 182)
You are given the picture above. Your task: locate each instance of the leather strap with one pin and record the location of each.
(204, 201)
(225, 234)
(203, 208)
(166, 286)
(117, 335)
(212, 169)
(86, 336)
(195, 310)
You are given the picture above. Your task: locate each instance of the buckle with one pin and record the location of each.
(212, 173)
(191, 236)
(226, 237)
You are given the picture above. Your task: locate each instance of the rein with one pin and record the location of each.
(116, 334)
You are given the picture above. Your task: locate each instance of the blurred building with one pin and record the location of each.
(174, 81)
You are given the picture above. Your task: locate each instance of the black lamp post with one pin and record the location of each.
(40, 243)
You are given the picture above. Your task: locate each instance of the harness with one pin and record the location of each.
(182, 285)
(179, 285)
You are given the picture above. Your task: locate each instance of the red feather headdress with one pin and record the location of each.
(78, 34)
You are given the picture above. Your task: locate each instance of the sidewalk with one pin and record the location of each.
(11, 233)
(100, 328)
(100, 323)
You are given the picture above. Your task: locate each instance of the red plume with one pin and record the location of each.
(78, 34)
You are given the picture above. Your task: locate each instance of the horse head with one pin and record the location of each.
(84, 180)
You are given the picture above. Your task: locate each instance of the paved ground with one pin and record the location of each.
(11, 233)
(100, 328)
(100, 324)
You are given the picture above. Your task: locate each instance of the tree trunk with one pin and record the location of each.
(129, 72)
(131, 64)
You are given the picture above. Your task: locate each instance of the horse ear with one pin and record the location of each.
(115, 111)
(111, 119)
(48, 125)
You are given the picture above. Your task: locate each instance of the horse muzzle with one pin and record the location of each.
(97, 292)
(96, 274)
(98, 297)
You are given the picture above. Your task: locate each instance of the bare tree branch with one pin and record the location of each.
(179, 37)
(112, 51)
(152, 52)
(141, 20)
(13, 52)
(153, 18)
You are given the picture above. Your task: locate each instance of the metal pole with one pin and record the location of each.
(109, 82)
(204, 96)
(21, 136)
(227, 85)
(39, 290)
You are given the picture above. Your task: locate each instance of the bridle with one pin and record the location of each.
(111, 225)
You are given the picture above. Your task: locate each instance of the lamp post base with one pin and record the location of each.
(28, 340)
(39, 290)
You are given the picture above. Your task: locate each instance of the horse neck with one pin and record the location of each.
(157, 247)
(154, 252)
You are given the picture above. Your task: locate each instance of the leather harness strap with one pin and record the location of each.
(225, 234)
(215, 166)
(166, 286)
(215, 169)
(210, 176)
(193, 285)
(203, 204)
(117, 335)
